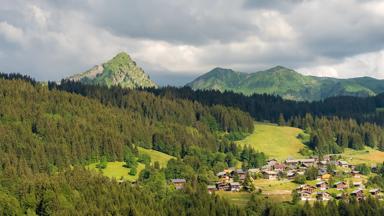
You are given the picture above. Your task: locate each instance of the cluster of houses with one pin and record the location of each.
(293, 167)
(231, 179)
(308, 192)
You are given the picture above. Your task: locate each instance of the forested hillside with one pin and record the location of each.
(49, 133)
(333, 124)
(46, 132)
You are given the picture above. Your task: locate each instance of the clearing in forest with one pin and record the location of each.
(279, 142)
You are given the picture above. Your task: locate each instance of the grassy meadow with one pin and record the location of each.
(275, 141)
(162, 158)
(368, 156)
(117, 170)
(237, 198)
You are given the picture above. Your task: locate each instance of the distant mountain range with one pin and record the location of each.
(119, 71)
(287, 83)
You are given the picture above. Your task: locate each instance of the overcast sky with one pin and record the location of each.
(176, 40)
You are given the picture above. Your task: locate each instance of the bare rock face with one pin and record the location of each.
(119, 71)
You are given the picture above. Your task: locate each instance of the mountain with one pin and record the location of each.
(119, 71)
(287, 83)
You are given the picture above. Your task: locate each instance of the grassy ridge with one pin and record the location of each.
(275, 141)
(287, 83)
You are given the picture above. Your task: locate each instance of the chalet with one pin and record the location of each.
(322, 172)
(358, 194)
(374, 192)
(271, 162)
(234, 186)
(271, 175)
(292, 163)
(222, 186)
(356, 174)
(323, 196)
(242, 174)
(291, 174)
(211, 188)
(179, 183)
(323, 163)
(322, 185)
(339, 196)
(304, 195)
(326, 176)
(306, 188)
(374, 168)
(253, 171)
(221, 174)
(279, 167)
(343, 164)
(304, 166)
(358, 184)
(229, 170)
(340, 185)
(309, 162)
(300, 172)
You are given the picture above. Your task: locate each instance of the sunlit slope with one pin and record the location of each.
(275, 141)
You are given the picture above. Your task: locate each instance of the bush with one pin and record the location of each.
(133, 171)
(144, 159)
(299, 179)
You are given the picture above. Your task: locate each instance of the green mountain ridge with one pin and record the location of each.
(287, 83)
(119, 71)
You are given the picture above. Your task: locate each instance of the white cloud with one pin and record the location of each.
(368, 64)
(11, 33)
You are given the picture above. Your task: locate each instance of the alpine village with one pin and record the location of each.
(192, 108)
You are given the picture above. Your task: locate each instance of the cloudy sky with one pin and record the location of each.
(176, 40)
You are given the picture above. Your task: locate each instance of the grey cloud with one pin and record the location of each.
(272, 4)
(245, 35)
(176, 21)
(337, 29)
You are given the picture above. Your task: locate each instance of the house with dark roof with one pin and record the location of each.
(374, 192)
(271, 175)
(235, 186)
(340, 185)
(304, 195)
(358, 194)
(322, 185)
(179, 183)
(323, 196)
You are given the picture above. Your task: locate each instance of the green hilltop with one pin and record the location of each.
(287, 83)
(119, 71)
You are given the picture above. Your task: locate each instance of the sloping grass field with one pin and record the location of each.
(161, 157)
(368, 156)
(238, 198)
(117, 170)
(275, 141)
